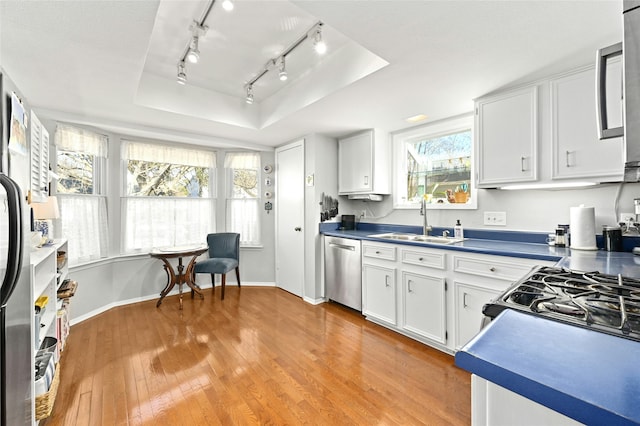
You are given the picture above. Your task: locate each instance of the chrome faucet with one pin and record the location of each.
(426, 229)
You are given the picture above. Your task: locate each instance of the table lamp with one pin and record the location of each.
(43, 213)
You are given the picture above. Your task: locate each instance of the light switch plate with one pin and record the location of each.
(627, 217)
(495, 218)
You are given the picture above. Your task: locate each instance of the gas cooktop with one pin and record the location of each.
(606, 303)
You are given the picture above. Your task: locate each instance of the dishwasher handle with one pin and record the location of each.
(342, 246)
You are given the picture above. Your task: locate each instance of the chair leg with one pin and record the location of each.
(224, 276)
(213, 283)
(238, 275)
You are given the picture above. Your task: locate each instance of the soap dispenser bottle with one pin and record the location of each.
(458, 232)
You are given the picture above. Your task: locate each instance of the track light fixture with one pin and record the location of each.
(227, 5)
(182, 77)
(193, 55)
(249, 98)
(282, 74)
(318, 43)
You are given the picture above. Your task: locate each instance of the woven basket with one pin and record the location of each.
(44, 402)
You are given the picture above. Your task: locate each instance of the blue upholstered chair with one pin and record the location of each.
(224, 255)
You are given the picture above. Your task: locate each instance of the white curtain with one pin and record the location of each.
(168, 154)
(73, 139)
(165, 222)
(242, 160)
(243, 218)
(84, 225)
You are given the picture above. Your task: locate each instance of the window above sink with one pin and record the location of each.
(435, 161)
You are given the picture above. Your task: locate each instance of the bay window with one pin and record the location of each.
(81, 167)
(434, 162)
(243, 196)
(168, 195)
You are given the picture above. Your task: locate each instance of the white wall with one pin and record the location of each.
(527, 210)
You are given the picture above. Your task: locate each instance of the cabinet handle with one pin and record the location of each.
(492, 269)
(377, 252)
(421, 259)
(366, 180)
(522, 169)
(297, 229)
(386, 280)
(409, 286)
(567, 161)
(464, 300)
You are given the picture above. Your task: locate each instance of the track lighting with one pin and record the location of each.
(320, 47)
(249, 98)
(283, 72)
(182, 77)
(318, 44)
(227, 5)
(193, 54)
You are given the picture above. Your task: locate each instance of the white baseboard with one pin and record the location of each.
(112, 305)
(314, 301)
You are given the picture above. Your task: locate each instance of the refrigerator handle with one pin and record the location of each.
(603, 55)
(16, 238)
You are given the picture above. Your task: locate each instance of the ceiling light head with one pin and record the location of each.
(227, 5)
(193, 55)
(318, 43)
(182, 76)
(249, 98)
(283, 71)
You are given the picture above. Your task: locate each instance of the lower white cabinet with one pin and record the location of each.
(477, 280)
(424, 303)
(434, 295)
(494, 405)
(469, 300)
(379, 293)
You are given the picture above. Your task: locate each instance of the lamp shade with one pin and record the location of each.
(46, 210)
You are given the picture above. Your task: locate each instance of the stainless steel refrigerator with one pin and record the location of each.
(16, 299)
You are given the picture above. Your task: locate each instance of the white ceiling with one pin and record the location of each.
(112, 64)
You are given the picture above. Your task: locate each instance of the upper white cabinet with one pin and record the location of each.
(577, 150)
(364, 162)
(507, 134)
(39, 153)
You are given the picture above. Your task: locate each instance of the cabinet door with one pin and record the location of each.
(507, 132)
(424, 306)
(469, 300)
(355, 163)
(379, 293)
(577, 150)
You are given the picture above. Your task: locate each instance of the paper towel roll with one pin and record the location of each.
(582, 223)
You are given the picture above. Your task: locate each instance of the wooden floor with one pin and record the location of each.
(261, 356)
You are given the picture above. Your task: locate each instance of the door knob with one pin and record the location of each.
(297, 228)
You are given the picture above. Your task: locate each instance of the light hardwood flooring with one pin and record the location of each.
(261, 356)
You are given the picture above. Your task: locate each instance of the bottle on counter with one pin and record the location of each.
(560, 237)
(458, 232)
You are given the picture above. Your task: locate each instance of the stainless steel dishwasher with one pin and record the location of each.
(343, 271)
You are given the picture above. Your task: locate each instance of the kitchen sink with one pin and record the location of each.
(431, 239)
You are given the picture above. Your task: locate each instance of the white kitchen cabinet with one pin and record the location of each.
(577, 150)
(477, 279)
(44, 281)
(424, 306)
(364, 163)
(492, 404)
(469, 300)
(379, 293)
(507, 137)
(39, 168)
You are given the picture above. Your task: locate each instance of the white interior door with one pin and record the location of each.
(289, 210)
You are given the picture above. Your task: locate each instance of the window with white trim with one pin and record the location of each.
(81, 157)
(168, 196)
(242, 170)
(435, 162)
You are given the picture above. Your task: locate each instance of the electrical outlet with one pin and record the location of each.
(495, 218)
(627, 217)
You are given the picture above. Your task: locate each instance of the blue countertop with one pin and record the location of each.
(589, 376)
(506, 243)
